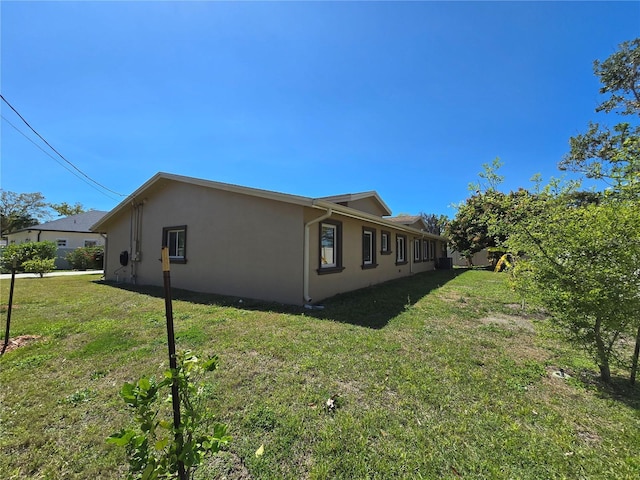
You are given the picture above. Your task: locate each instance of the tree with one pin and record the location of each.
(21, 210)
(613, 154)
(64, 209)
(581, 264)
(435, 224)
(583, 250)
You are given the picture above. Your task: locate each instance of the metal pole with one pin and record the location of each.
(175, 397)
(13, 281)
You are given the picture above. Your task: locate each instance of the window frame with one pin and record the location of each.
(371, 250)
(94, 243)
(59, 240)
(425, 250)
(417, 250)
(165, 243)
(336, 265)
(401, 259)
(385, 249)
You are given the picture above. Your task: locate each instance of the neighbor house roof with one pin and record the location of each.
(80, 222)
(324, 203)
(415, 221)
(352, 197)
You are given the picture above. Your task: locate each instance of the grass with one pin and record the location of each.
(436, 376)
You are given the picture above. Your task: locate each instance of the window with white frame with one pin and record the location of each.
(330, 247)
(417, 250)
(385, 242)
(90, 243)
(61, 242)
(175, 239)
(425, 250)
(368, 248)
(401, 254)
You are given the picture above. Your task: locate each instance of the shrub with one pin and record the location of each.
(86, 258)
(156, 448)
(24, 252)
(39, 265)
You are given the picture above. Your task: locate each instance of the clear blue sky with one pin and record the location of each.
(315, 98)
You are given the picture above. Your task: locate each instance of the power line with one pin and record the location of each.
(58, 153)
(56, 160)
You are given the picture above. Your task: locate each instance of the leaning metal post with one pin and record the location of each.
(175, 397)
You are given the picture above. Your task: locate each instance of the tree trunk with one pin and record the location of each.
(634, 363)
(603, 356)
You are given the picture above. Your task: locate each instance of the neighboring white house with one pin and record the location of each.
(68, 233)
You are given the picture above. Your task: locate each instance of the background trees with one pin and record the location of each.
(22, 210)
(579, 251)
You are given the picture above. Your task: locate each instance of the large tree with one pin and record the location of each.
(581, 264)
(608, 153)
(21, 210)
(583, 251)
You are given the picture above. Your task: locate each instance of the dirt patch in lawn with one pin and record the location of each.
(509, 321)
(20, 341)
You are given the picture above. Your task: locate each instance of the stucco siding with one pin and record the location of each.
(235, 244)
(354, 276)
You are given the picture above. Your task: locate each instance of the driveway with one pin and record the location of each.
(7, 276)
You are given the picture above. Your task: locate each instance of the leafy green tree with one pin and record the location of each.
(581, 265)
(64, 209)
(21, 210)
(435, 224)
(613, 154)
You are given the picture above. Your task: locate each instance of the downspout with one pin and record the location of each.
(305, 280)
(104, 256)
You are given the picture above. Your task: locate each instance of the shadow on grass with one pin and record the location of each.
(619, 389)
(371, 307)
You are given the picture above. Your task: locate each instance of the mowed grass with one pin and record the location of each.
(436, 376)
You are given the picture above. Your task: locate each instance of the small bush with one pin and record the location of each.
(39, 265)
(24, 252)
(86, 258)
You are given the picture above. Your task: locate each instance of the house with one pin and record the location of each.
(68, 233)
(251, 243)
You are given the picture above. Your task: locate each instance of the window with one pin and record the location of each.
(61, 242)
(175, 238)
(330, 247)
(433, 250)
(90, 243)
(401, 243)
(417, 250)
(425, 250)
(385, 244)
(368, 248)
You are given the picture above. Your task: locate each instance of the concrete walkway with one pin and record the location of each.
(7, 276)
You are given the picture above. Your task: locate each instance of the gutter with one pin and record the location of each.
(305, 279)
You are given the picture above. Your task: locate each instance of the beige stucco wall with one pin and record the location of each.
(354, 276)
(237, 244)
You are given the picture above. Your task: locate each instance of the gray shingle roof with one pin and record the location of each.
(73, 223)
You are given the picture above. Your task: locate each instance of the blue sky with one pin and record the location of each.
(315, 98)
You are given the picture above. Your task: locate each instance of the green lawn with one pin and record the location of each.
(437, 376)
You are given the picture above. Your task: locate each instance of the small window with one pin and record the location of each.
(330, 247)
(368, 248)
(61, 242)
(401, 243)
(175, 238)
(385, 244)
(90, 243)
(425, 250)
(417, 257)
(433, 250)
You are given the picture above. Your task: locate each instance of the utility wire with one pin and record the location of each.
(58, 153)
(56, 160)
